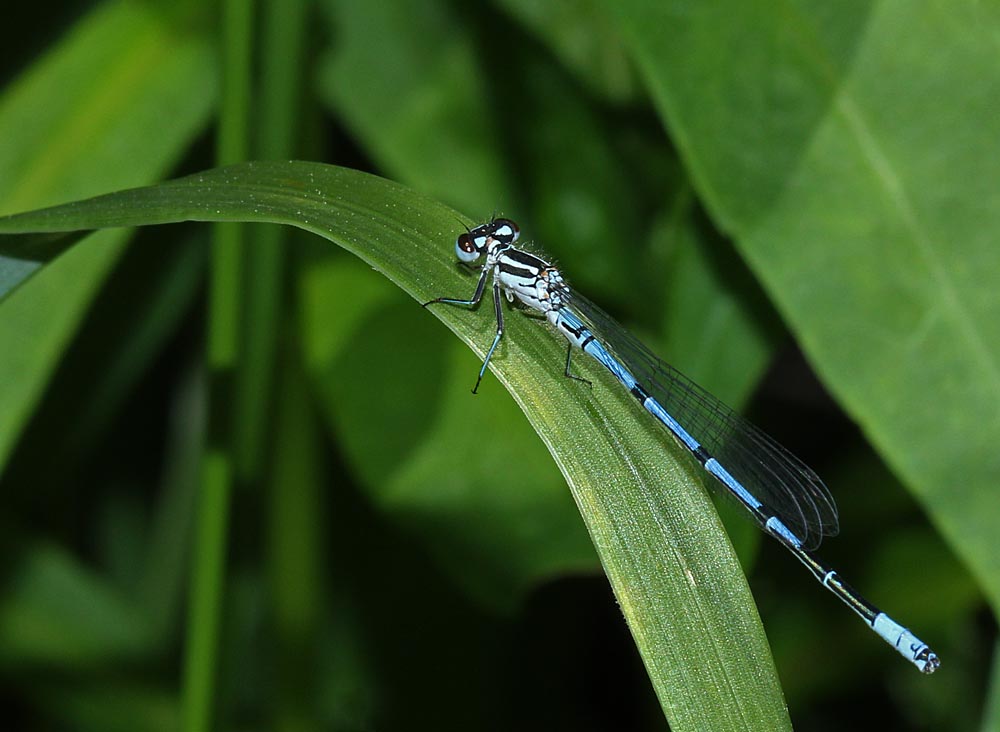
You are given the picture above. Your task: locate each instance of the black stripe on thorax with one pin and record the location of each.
(525, 258)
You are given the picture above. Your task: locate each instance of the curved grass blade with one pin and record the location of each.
(661, 544)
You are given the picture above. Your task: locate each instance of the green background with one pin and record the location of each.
(245, 483)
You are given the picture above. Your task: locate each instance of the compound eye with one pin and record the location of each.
(465, 248)
(506, 231)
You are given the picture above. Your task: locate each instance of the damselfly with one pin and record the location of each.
(783, 495)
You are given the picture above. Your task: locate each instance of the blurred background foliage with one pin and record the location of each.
(794, 203)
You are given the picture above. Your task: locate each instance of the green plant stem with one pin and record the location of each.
(208, 572)
(233, 143)
(280, 96)
(206, 593)
(295, 541)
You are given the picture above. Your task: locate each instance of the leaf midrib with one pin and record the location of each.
(884, 172)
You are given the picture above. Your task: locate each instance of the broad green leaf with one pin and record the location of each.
(661, 544)
(849, 148)
(114, 104)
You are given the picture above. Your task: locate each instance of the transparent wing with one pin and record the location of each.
(771, 473)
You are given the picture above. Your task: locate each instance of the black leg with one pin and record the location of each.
(480, 288)
(496, 339)
(569, 354)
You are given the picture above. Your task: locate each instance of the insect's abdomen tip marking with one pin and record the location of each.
(908, 645)
(931, 661)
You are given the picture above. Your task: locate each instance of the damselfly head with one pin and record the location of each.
(471, 245)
